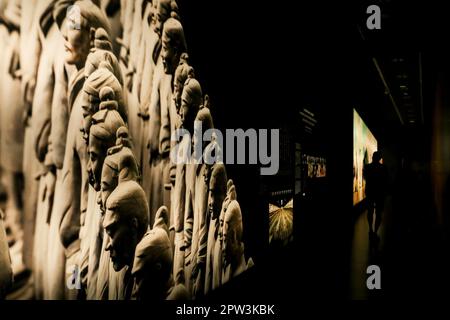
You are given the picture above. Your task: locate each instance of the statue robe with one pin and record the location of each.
(132, 100)
(54, 158)
(30, 51)
(72, 205)
(93, 246)
(213, 273)
(49, 38)
(214, 251)
(200, 229)
(12, 126)
(177, 208)
(6, 274)
(120, 284)
(159, 141)
(188, 222)
(143, 89)
(12, 107)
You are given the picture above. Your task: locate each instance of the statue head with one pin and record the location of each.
(102, 51)
(162, 219)
(83, 18)
(153, 12)
(173, 44)
(183, 71)
(203, 122)
(232, 247)
(191, 100)
(217, 189)
(152, 268)
(102, 134)
(120, 165)
(100, 78)
(231, 190)
(125, 222)
(164, 9)
(231, 195)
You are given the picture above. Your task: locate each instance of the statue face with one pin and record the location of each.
(90, 103)
(77, 43)
(168, 55)
(162, 14)
(108, 184)
(230, 247)
(215, 201)
(122, 238)
(187, 115)
(97, 156)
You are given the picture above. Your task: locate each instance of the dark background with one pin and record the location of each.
(262, 62)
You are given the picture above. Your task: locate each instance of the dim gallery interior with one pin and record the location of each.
(368, 91)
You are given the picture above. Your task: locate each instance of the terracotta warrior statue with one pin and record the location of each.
(154, 17)
(173, 45)
(131, 39)
(30, 52)
(216, 197)
(73, 200)
(192, 100)
(11, 122)
(44, 86)
(54, 147)
(125, 223)
(182, 73)
(154, 14)
(234, 262)
(103, 75)
(180, 153)
(97, 80)
(152, 267)
(102, 51)
(102, 136)
(119, 166)
(195, 261)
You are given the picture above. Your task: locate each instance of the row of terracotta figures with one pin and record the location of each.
(92, 93)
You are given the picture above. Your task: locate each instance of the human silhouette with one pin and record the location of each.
(375, 175)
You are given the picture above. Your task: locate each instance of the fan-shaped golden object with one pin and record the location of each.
(281, 222)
